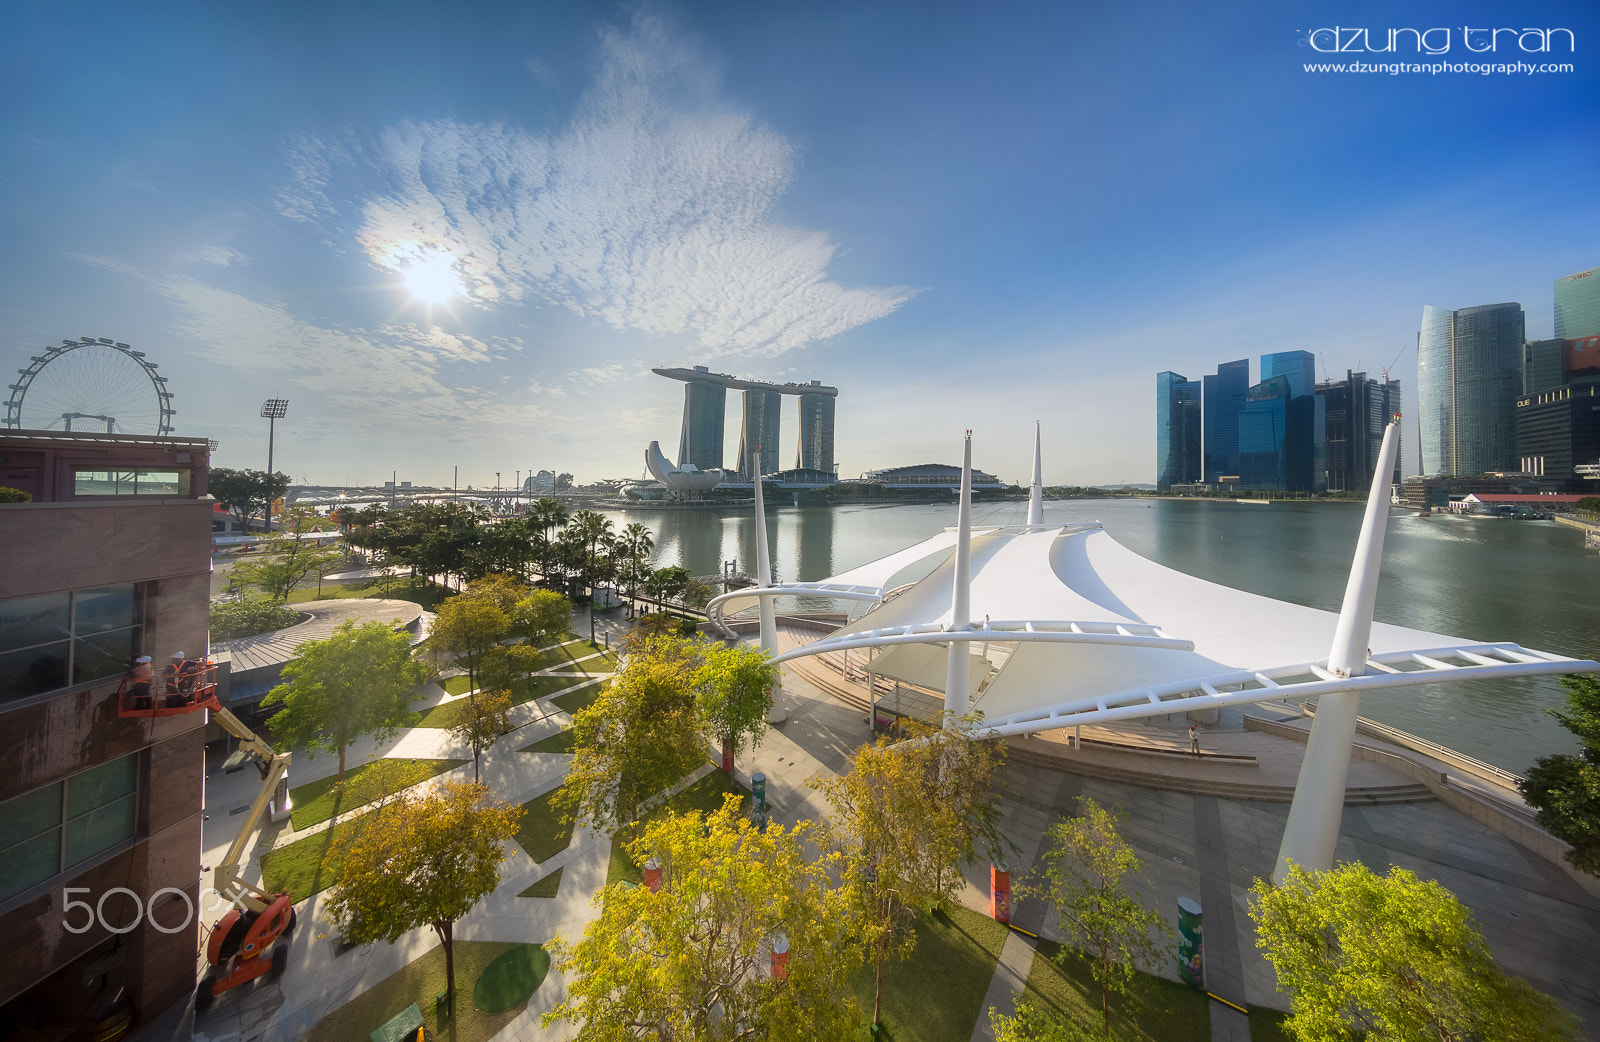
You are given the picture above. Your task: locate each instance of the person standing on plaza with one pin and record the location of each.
(1194, 740)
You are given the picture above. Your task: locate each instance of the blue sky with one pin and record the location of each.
(961, 215)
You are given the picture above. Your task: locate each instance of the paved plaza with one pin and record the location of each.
(1541, 921)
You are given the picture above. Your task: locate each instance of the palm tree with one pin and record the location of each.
(636, 543)
(593, 529)
(548, 515)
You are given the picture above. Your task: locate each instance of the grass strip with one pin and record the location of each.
(448, 714)
(541, 832)
(704, 796)
(560, 742)
(420, 982)
(311, 865)
(1154, 1010)
(936, 995)
(316, 802)
(545, 886)
(582, 698)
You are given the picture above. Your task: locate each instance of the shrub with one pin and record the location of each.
(246, 619)
(14, 495)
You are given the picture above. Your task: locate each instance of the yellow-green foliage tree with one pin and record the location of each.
(1032, 1023)
(422, 860)
(909, 819)
(638, 737)
(484, 718)
(466, 630)
(358, 681)
(543, 615)
(692, 961)
(1085, 873)
(1391, 958)
(290, 559)
(734, 684)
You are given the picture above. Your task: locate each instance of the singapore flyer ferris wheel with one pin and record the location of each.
(90, 384)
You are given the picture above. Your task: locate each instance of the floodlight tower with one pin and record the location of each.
(273, 410)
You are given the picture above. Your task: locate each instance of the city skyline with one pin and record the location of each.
(466, 241)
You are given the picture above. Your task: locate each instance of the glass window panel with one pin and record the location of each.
(24, 817)
(94, 483)
(103, 655)
(33, 672)
(25, 621)
(99, 830)
(29, 864)
(104, 608)
(100, 785)
(160, 483)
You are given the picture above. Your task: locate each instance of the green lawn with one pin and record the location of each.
(1155, 1010)
(446, 714)
(704, 796)
(582, 698)
(427, 594)
(419, 983)
(316, 802)
(545, 886)
(457, 685)
(560, 742)
(307, 866)
(541, 831)
(936, 995)
(604, 662)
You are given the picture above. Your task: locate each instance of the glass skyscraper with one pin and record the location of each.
(1358, 411)
(1263, 435)
(705, 404)
(1469, 368)
(1578, 305)
(1177, 431)
(1305, 464)
(1223, 396)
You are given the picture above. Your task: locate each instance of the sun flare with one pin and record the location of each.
(431, 278)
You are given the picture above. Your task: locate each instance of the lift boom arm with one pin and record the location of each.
(274, 768)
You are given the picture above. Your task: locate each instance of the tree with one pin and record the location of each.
(542, 615)
(422, 860)
(735, 685)
(1589, 505)
(291, 558)
(245, 493)
(1032, 1023)
(14, 495)
(635, 545)
(497, 588)
(911, 823)
(485, 716)
(667, 584)
(1084, 873)
(1566, 788)
(638, 737)
(358, 681)
(1391, 957)
(691, 961)
(467, 629)
(548, 515)
(592, 530)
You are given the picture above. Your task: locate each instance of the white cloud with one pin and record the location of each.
(652, 211)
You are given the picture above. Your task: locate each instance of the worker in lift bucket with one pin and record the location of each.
(142, 674)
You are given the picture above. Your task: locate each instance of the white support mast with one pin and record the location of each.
(1312, 833)
(958, 674)
(769, 624)
(1036, 490)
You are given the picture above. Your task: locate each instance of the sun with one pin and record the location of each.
(430, 276)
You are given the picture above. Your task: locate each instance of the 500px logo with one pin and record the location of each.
(1339, 39)
(95, 913)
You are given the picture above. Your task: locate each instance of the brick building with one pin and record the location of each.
(110, 561)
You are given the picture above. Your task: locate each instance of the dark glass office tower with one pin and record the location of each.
(1223, 396)
(1578, 305)
(1263, 435)
(705, 404)
(1469, 366)
(1358, 410)
(816, 432)
(1177, 431)
(761, 410)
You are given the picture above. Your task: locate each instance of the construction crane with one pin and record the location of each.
(251, 940)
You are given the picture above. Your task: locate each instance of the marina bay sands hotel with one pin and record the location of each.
(705, 406)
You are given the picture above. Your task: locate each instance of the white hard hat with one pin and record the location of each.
(143, 658)
(177, 654)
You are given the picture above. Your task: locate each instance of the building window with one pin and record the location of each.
(48, 831)
(88, 482)
(58, 640)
